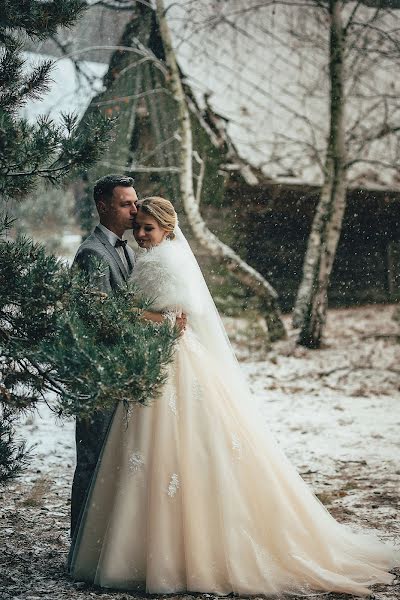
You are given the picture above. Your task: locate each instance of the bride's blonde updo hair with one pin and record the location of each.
(162, 211)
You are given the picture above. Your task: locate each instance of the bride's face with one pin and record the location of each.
(147, 231)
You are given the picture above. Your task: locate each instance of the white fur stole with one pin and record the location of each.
(165, 274)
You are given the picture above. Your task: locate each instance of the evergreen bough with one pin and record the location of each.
(58, 334)
(44, 149)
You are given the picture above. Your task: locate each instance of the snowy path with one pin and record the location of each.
(336, 413)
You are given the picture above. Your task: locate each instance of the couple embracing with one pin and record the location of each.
(192, 493)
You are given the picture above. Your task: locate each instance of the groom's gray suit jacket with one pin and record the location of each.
(90, 434)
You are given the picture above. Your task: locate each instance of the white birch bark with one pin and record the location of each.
(244, 272)
(312, 300)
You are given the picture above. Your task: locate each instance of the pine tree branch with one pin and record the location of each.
(39, 19)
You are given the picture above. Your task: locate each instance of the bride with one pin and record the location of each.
(192, 493)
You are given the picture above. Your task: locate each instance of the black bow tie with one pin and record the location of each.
(122, 243)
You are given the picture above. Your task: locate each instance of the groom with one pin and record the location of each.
(115, 200)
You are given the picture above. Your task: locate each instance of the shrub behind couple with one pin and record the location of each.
(192, 493)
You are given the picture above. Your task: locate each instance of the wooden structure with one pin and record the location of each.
(275, 221)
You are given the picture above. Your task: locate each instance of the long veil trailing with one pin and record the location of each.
(367, 557)
(206, 322)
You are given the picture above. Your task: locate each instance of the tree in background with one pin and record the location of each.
(57, 335)
(312, 298)
(360, 43)
(344, 117)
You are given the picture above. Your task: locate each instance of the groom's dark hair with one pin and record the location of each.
(104, 187)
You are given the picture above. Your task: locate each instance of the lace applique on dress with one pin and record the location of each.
(197, 390)
(173, 486)
(136, 462)
(172, 402)
(236, 446)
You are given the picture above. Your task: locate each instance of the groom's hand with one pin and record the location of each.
(181, 322)
(160, 317)
(155, 317)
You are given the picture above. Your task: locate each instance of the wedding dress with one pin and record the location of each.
(192, 493)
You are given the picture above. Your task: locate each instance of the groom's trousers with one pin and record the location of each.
(90, 435)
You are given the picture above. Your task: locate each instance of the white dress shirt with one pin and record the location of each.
(112, 238)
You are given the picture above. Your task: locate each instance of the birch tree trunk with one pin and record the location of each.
(242, 271)
(312, 298)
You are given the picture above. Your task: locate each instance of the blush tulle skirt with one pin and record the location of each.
(192, 493)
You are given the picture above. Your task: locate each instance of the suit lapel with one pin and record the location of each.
(112, 251)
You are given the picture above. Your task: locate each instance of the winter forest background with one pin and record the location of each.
(274, 127)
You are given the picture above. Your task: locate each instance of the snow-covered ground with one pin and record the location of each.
(335, 411)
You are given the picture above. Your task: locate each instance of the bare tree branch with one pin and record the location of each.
(117, 99)
(119, 5)
(351, 17)
(141, 50)
(366, 161)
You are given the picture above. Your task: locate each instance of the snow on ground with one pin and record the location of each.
(335, 412)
